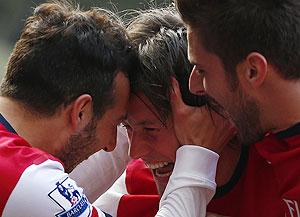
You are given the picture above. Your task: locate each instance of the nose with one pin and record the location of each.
(196, 82)
(138, 147)
(111, 145)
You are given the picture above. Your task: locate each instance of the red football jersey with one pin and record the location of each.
(266, 182)
(269, 184)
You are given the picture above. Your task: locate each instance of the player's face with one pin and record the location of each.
(107, 126)
(209, 77)
(150, 139)
(99, 133)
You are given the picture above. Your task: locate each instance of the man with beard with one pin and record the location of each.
(65, 91)
(246, 56)
(160, 38)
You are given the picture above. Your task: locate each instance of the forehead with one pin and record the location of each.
(197, 53)
(195, 48)
(121, 94)
(141, 111)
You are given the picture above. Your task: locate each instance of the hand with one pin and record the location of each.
(199, 125)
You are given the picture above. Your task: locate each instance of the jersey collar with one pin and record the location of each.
(6, 124)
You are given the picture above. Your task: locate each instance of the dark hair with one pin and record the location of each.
(160, 38)
(63, 53)
(233, 29)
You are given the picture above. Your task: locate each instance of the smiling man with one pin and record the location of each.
(65, 91)
(160, 37)
(247, 57)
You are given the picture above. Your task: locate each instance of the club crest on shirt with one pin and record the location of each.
(293, 208)
(67, 196)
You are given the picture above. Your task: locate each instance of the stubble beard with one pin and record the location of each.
(246, 117)
(79, 147)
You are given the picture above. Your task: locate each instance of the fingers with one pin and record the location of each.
(176, 100)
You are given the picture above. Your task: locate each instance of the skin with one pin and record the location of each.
(77, 133)
(150, 139)
(209, 77)
(98, 134)
(199, 125)
(155, 143)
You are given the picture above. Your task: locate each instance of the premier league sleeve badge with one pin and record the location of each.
(69, 197)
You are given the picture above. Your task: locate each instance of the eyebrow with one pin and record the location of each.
(143, 122)
(148, 106)
(194, 63)
(146, 122)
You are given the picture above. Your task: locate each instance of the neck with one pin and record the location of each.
(38, 131)
(281, 106)
(228, 161)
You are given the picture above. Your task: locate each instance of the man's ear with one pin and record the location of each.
(81, 112)
(256, 69)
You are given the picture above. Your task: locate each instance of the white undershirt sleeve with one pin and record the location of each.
(192, 183)
(96, 174)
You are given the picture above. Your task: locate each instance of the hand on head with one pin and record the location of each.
(199, 126)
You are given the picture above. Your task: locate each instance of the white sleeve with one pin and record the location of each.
(191, 185)
(46, 190)
(102, 169)
(109, 201)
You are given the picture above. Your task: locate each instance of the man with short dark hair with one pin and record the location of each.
(65, 91)
(159, 36)
(246, 56)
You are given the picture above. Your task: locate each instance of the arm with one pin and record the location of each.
(46, 190)
(133, 194)
(190, 188)
(110, 200)
(101, 170)
(191, 185)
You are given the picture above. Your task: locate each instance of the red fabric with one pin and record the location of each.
(143, 199)
(15, 156)
(94, 212)
(270, 185)
(138, 175)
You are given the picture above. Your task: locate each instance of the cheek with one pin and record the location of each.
(104, 133)
(212, 86)
(215, 89)
(168, 146)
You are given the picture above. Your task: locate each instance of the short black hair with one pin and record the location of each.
(232, 29)
(64, 52)
(159, 36)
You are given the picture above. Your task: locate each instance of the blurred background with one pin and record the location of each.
(14, 12)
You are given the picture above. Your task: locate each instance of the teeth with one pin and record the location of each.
(162, 174)
(157, 165)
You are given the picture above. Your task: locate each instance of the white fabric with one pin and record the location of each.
(102, 169)
(190, 188)
(109, 201)
(191, 185)
(36, 194)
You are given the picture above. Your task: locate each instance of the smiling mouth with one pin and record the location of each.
(161, 169)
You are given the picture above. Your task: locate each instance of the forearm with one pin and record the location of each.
(102, 169)
(192, 184)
